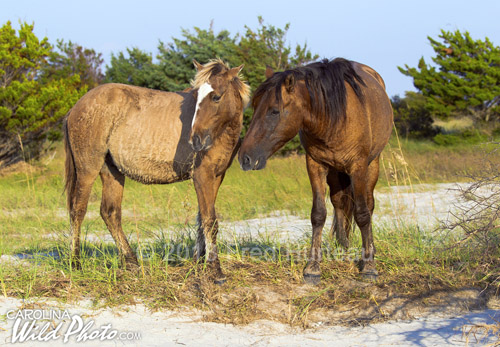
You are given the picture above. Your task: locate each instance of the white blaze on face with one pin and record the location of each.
(203, 91)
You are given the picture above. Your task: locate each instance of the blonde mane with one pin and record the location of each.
(217, 66)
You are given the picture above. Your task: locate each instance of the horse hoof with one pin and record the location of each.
(131, 264)
(312, 279)
(220, 281)
(369, 275)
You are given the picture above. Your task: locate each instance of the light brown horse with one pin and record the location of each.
(344, 118)
(154, 137)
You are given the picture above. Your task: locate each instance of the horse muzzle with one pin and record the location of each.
(248, 163)
(199, 144)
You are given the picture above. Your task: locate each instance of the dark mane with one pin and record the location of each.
(325, 83)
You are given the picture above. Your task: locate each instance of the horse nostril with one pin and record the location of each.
(208, 141)
(246, 162)
(196, 143)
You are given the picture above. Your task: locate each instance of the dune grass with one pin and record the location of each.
(264, 286)
(160, 223)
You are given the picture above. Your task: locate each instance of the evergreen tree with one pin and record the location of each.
(137, 69)
(72, 59)
(411, 117)
(29, 105)
(267, 47)
(175, 59)
(466, 79)
(174, 67)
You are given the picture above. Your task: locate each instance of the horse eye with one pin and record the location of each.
(216, 98)
(275, 112)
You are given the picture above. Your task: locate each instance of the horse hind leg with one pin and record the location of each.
(81, 170)
(200, 248)
(78, 199)
(342, 198)
(368, 269)
(111, 211)
(363, 179)
(372, 178)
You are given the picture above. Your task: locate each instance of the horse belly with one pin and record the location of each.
(149, 171)
(151, 152)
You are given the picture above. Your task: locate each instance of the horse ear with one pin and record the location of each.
(269, 71)
(289, 83)
(197, 65)
(235, 71)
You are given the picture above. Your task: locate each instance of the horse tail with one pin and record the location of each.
(70, 170)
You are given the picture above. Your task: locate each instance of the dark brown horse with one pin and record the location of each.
(154, 137)
(344, 118)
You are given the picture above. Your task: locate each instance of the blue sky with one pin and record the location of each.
(383, 34)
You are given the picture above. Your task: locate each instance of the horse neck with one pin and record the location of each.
(234, 126)
(315, 126)
(235, 123)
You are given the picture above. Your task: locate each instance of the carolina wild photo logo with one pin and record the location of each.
(49, 325)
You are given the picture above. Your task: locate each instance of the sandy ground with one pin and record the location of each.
(424, 205)
(137, 326)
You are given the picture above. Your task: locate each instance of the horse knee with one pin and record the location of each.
(318, 216)
(362, 217)
(210, 225)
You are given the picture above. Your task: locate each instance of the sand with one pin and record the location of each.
(135, 325)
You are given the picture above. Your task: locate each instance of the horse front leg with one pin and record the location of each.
(317, 176)
(199, 248)
(207, 185)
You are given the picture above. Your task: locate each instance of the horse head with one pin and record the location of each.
(221, 99)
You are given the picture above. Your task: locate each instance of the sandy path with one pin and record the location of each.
(166, 328)
(423, 205)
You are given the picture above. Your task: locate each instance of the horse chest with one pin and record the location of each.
(337, 156)
(328, 157)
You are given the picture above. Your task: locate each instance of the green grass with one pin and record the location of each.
(32, 203)
(159, 219)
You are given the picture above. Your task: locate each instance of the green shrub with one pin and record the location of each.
(469, 136)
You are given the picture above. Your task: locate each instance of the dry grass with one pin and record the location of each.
(255, 290)
(415, 279)
(478, 333)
